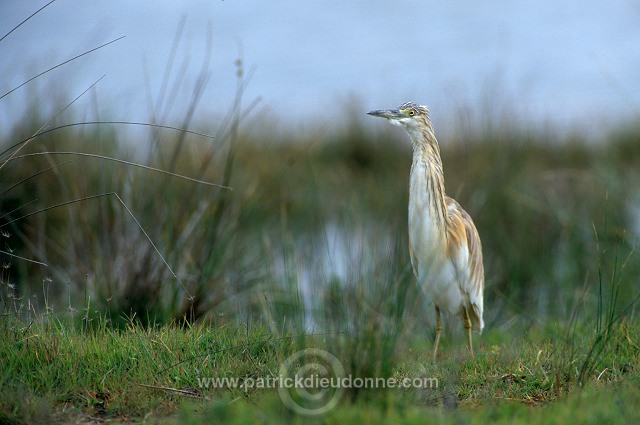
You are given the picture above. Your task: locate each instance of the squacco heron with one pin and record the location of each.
(444, 245)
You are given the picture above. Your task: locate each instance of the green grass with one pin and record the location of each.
(56, 367)
(57, 370)
(153, 283)
(309, 251)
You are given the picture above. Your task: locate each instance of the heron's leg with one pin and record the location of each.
(467, 326)
(438, 332)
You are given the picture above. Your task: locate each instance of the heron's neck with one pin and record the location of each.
(427, 174)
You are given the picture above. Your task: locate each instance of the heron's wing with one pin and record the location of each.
(465, 250)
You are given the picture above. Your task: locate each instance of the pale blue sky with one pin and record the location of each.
(572, 64)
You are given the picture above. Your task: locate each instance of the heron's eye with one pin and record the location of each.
(412, 113)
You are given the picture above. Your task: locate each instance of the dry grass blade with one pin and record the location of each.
(190, 392)
(8, 214)
(62, 204)
(121, 161)
(23, 258)
(60, 64)
(13, 186)
(24, 143)
(144, 124)
(25, 20)
(75, 124)
(86, 198)
(153, 245)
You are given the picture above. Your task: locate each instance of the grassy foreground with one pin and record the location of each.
(131, 280)
(154, 285)
(303, 268)
(57, 371)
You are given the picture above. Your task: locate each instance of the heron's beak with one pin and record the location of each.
(390, 114)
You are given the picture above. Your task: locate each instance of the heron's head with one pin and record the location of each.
(413, 117)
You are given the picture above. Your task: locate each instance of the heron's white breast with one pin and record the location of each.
(436, 272)
(426, 231)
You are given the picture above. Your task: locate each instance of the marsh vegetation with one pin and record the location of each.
(136, 264)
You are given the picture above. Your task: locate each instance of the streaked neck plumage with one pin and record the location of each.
(426, 173)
